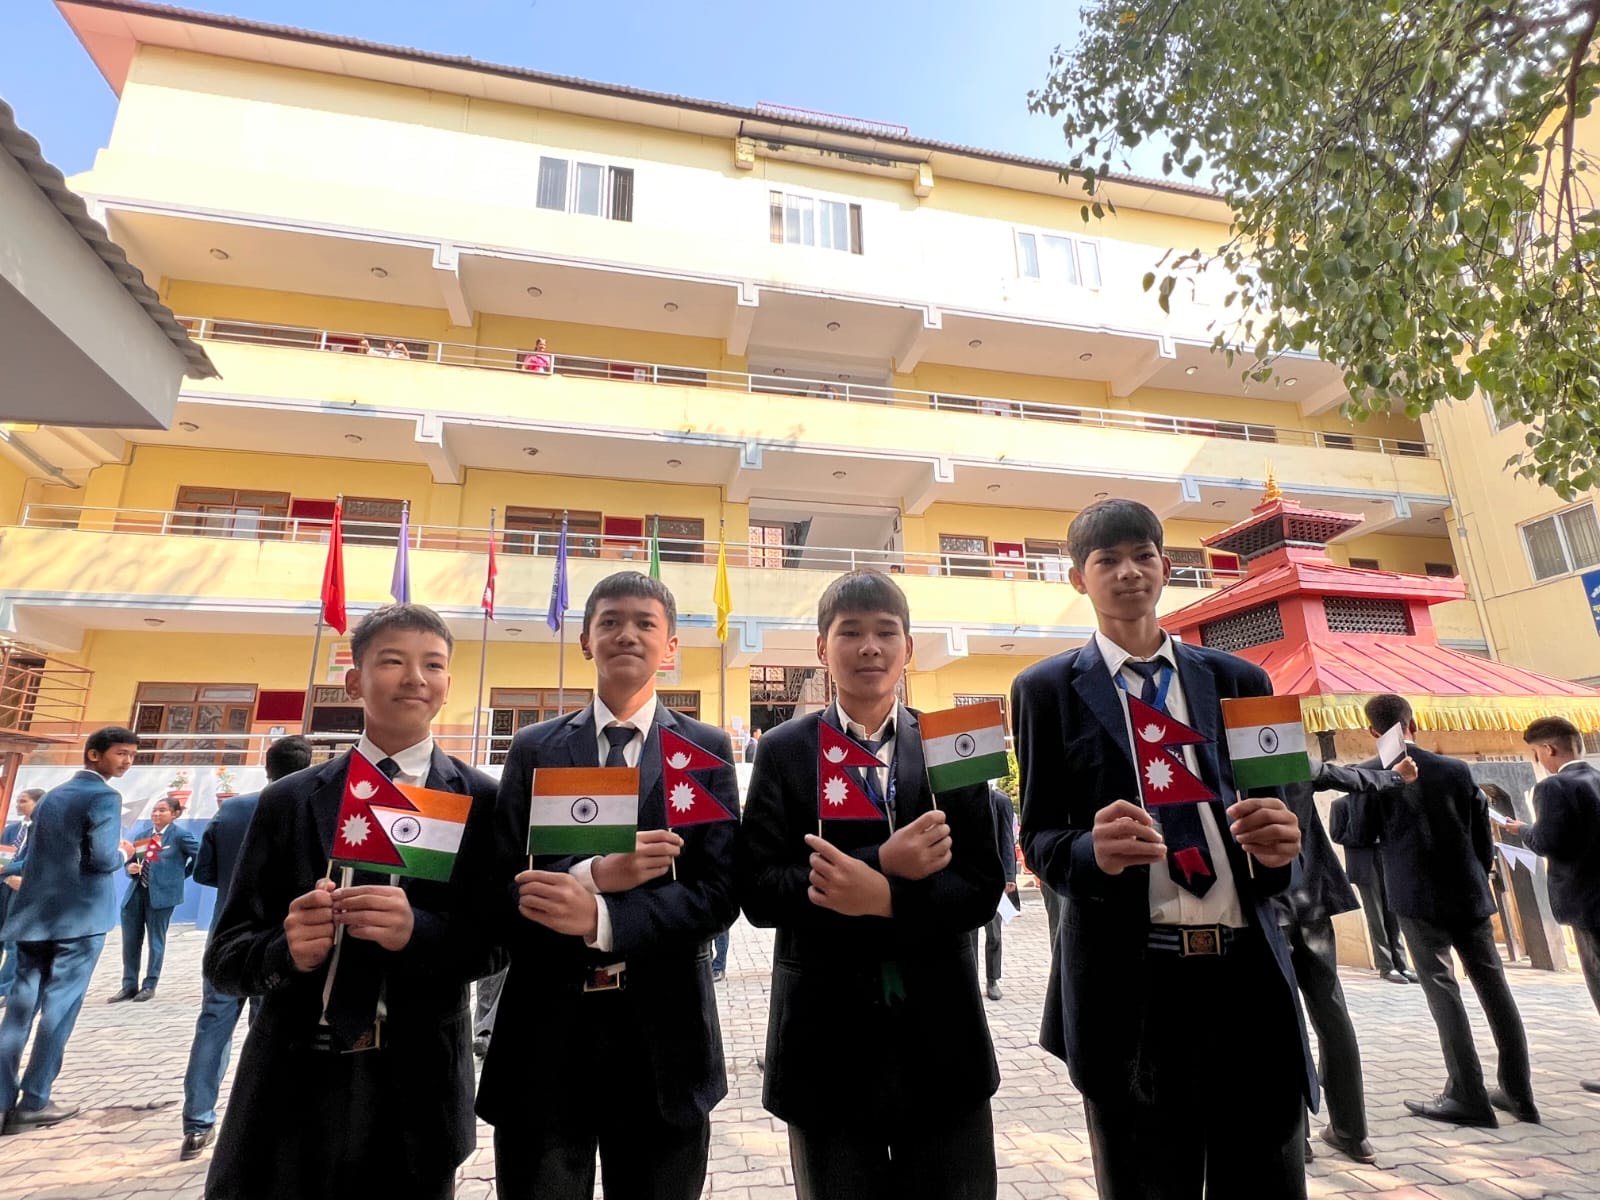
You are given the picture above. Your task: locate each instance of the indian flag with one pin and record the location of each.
(1266, 741)
(583, 810)
(397, 828)
(964, 745)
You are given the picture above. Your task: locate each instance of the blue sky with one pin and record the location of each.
(936, 66)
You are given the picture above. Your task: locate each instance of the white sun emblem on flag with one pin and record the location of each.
(678, 761)
(355, 830)
(682, 798)
(1153, 733)
(834, 754)
(833, 791)
(365, 790)
(1158, 775)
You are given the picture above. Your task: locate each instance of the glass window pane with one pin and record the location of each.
(1089, 259)
(1544, 548)
(796, 216)
(1060, 265)
(553, 184)
(1583, 536)
(834, 222)
(591, 178)
(1027, 256)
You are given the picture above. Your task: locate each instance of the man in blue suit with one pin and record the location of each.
(15, 836)
(158, 875)
(219, 1012)
(59, 917)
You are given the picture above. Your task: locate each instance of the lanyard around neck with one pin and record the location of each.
(1164, 676)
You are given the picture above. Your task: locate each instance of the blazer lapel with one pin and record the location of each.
(652, 814)
(443, 776)
(910, 773)
(1092, 681)
(325, 801)
(1200, 694)
(576, 741)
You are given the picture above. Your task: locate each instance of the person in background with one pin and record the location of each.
(156, 890)
(1005, 840)
(750, 744)
(219, 1013)
(58, 918)
(538, 360)
(401, 350)
(1364, 866)
(14, 840)
(372, 351)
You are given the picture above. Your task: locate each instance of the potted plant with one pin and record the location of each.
(178, 790)
(225, 786)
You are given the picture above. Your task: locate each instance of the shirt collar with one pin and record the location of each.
(414, 761)
(859, 731)
(1577, 762)
(641, 720)
(1117, 658)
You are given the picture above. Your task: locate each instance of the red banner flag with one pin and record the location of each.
(333, 573)
(839, 796)
(1164, 778)
(494, 570)
(689, 802)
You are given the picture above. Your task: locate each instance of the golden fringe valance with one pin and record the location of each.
(1455, 714)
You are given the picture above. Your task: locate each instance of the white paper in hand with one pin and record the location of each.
(1008, 909)
(1499, 818)
(1392, 746)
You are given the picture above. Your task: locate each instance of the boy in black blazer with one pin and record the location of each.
(377, 1101)
(1171, 995)
(1567, 833)
(878, 1053)
(607, 1036)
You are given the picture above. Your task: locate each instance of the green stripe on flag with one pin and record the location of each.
(581, 839)
(1271, 771)
(964, 772)
(427, 864)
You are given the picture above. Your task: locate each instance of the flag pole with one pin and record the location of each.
(311, 677)
(322, 607)
(561, 643)
(483, 657)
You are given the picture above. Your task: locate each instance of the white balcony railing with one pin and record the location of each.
(543, 363)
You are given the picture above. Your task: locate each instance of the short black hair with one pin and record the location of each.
(397, 616)
(636, 585)
(1108, 523)
(102, 740)
(1388, 710)
(862, 591)
(169, 802)
(286, 756)
(1555, 731)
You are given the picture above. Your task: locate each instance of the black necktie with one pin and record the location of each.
(1180, 823)
(357, 984)
(22, 837)
(619, 736)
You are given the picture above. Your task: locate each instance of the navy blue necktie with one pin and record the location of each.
(1180, 823)
(869, 775)
(619, 736)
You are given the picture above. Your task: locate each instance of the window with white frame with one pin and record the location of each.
(1057, 258)
(593, 189)
(802, 220)
(1562, 542)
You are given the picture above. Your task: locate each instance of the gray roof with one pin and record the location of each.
(22, 147)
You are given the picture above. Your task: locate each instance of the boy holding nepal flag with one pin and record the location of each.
(614, 870)
(356, 1078)
(1171, 995)
(878, 1053)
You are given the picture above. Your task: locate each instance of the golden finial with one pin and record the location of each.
(1273, 492)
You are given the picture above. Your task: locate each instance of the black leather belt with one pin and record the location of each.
(1193, 941)
(323, 1041)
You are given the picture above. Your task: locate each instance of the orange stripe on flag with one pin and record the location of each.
(963, 719)
(1246, 712)
(441, 806)
(586, 781)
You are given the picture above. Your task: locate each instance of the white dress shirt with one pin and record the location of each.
(885, 752)
(1169, 903)
(415, 762)
(583, 871)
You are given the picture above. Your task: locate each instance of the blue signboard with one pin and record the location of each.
(1591, 589)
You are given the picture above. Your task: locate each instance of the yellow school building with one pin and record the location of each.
(828, 342)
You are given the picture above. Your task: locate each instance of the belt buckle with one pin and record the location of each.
(370, 1039)
(1204, 941)
(603, 979)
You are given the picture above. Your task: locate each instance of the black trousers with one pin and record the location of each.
(991, 933)
(1227, 1114)
(944, 1160)
(1052, 910)
(1430, 950)
(1589, 959)
(1383, 927)
(1315, 955)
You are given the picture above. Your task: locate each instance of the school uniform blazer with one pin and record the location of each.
(70, 864)
(1433, 840)
(427, 1035)
(1567, 833)
(661, 930)
(1360, 858)
(174, 864)
(872, 1019)
(1073, 759)
(1318, 888)
(8, 837)
(220, 845)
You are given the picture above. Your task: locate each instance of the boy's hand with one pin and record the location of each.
(654, 850)
(558, 902)
(1266, 829)
(1406, 768)
(917, 850)
(1125, 836)
(844, 884)
(375, 913)
(134, 868)
(309, 927)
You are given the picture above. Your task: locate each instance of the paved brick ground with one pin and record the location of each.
(125, 1064)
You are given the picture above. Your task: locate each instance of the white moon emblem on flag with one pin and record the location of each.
(964, 746)
(365, 790)
(834, 754)
(678, 761)
(1268, 739)
(584, 810)
(406, 829)
(1153, 733)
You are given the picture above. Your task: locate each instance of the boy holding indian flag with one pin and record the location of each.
(614, 870)
(356, 1077)
(1171, 995)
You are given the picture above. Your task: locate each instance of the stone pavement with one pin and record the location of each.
(125, 1065)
